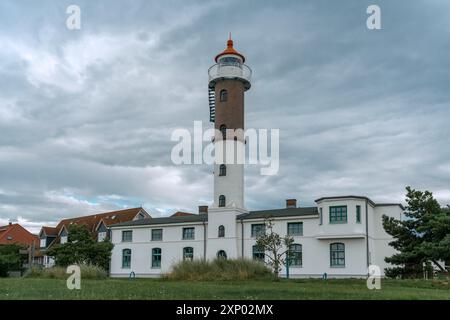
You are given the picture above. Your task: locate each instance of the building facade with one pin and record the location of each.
(340, 236)
(97, 224)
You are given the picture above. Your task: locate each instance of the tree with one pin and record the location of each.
(81, 248)
(277, 247)
(10, 258)
(421, 238)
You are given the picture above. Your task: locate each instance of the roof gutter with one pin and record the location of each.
(367, 234)
(204, 240)
(242, 238)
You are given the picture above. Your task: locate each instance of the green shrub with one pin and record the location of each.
(219, 269)
(88, 272)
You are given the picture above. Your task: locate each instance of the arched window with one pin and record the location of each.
(188, 253)
(223, 95)
(222, 201)
(156, 258)
(223, 130)
(221, 231)
(295, 255)
(126, 258)
(221, 254)
(337, 255)
(223, 170)
(258, 253)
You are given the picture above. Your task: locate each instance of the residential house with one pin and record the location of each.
(97, 224)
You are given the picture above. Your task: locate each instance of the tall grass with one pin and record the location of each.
(219, 269)
(87, 272)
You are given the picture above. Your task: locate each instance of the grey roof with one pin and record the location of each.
(164, 220)
(278, 213)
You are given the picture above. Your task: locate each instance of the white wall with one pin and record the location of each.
(316, 252)
(315, 241)
(379, 243)
(141, 249)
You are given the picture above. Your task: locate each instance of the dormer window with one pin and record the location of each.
(63, 239)
(223, 95)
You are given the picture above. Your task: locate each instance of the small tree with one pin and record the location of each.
(276, 246)
(81, 248)
(421, 238)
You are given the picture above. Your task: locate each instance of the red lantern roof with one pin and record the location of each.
(230, 50)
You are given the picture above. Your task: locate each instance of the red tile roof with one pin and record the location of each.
(93, 221)
(181, 214)
(50, 231)
(15, 233)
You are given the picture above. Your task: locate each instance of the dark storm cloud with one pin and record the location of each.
(86, 116)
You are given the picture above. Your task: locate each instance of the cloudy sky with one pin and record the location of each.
(86, 116)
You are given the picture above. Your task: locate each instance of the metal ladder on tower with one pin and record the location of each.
(212, 104)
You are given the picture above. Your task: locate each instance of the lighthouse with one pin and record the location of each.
(229, 79)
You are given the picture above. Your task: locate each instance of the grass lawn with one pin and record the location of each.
(27, 288)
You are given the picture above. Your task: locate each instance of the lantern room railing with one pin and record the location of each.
(230, 70)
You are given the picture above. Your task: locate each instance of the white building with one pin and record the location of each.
(341, 236)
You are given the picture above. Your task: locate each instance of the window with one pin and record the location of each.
(101, 236)
(188, 253)
(188, 233)
(43, 243)
(358, 214)
(223, 170)
(222, 201)
(295, 228)
(295, 255)
(221, 231)
(338, 214)
(127, 236)
(222, 255)
(320, 216)
(258, 254)
(230, 61)
(156, 258)
(157, 234)
(223, 130)
(63, 239)
(258, 229)
(126, 258)
(223, 95)
(337, 255)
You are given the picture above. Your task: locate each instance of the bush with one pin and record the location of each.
(219, 269)
(10, 259)
(88, 272)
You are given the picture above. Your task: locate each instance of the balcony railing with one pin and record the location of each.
(230, 71)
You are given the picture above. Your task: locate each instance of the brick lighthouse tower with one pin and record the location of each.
(229, 78)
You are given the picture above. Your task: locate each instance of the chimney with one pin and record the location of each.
(291, 203)
(202, 209)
